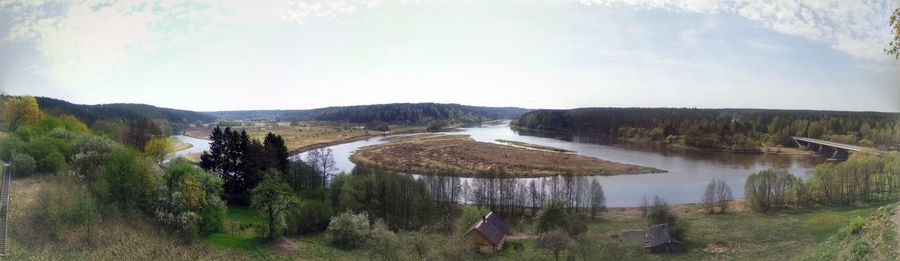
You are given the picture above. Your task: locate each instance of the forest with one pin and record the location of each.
(735, 130)
(396, 113)
(116, 115)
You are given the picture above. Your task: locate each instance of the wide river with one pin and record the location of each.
(688, 171)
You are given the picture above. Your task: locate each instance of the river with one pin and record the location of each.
(688, 171)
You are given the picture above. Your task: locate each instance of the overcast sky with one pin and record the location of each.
(230, 55)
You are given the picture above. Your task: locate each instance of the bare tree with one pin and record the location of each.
(323, 161)
(717, 194)
(556, 241)
(723, 196)
(645, 206)
(598, 200)
(709, 197)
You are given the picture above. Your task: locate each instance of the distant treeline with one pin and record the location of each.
(168, 120)
(396, 113)
(740, 130)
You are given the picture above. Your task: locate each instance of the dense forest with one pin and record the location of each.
(396, 113)
(168, 120)
(739, 130)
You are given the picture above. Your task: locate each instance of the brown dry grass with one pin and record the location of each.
(310, 135)
(466, 157)
(117, 238)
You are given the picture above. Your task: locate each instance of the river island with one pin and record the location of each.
(463, 156)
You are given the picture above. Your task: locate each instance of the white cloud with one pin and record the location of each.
(857, 28)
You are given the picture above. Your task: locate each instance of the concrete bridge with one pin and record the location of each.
(830, 149)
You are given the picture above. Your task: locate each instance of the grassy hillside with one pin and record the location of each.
(122, 111)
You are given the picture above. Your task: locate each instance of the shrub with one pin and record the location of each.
(23, 164)
(770, 190)
(127, 181)
(860, 251)
(437, 125)
(856, 225)
(555, 241)
(349, 230)
(8, 146)
(470, 215)
(384, 243)
(310, 216)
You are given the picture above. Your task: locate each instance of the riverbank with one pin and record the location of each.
(463, 156)
(532, 146)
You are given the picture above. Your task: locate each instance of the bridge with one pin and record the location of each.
(830, 149)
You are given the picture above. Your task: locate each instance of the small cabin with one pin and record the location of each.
(488, 234)
(657, 239)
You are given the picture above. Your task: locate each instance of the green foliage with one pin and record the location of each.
(190, 202)
(9, 145)
(273, 197)
(856, 225)
(860, 251)
(309, 216)
(19, 111)
(470, 215)
(384, 244)
(894, 45)
(403, 202)
(23, 164)
(553, 216)
(378, 126)
(438, 125)
(737, 130)
(771, 190)
(158, 148)
(127, 181)
(349, 230)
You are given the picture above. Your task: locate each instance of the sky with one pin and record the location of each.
(210, 55)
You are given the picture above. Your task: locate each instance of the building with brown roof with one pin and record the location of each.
(489, 234)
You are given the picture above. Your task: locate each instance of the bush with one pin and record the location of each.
(437, 125)
(23, 164)
(470, 215)
(857, 224)
(310, 216)
(349, 230)
(127, 181)
(384, 243)
(8, 146)
(770, 190)
(190, 202)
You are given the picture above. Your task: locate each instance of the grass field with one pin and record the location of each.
(466, 157)
(179, 145)
(741, 235)
(310, 135)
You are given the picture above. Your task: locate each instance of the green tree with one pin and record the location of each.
(158, 148)
(553, 216)
(18, 111)
(273, 198)
(127, 181)
(894, 45)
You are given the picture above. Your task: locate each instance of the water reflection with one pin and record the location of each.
(689, 171)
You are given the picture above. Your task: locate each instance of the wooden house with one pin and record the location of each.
(488, 234)
(656, 239)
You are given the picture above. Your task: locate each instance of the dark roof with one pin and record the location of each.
(492, 227)
(657, 235)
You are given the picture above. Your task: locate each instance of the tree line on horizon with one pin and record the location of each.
(736, 130)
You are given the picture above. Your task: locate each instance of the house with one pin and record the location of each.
(489, 234)
(656, 239)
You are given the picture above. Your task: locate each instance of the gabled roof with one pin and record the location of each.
(491, 227)
(657, 235)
